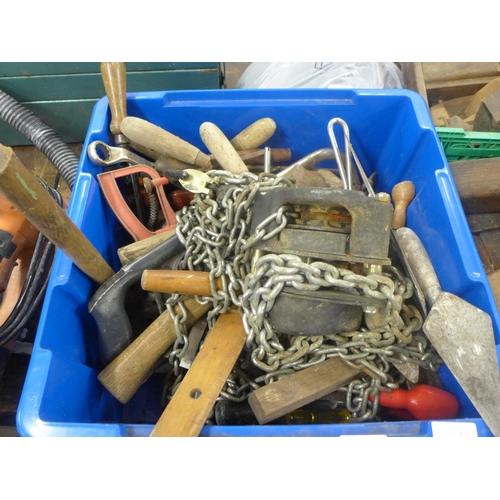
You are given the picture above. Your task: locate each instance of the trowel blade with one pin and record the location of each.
(463, 336)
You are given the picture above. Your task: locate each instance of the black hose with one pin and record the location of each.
(41, 135)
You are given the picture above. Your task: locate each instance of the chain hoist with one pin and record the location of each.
(216, 230)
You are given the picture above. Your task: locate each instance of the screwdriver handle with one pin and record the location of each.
(402, 195)
(222, 149)
(115, 84)
(254, 135)
(423, 401)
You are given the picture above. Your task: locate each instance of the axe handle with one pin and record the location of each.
(32, 200)
(125, 374)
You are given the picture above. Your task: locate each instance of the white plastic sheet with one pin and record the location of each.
(321, 75)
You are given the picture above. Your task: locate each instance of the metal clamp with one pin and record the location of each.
(109, 186)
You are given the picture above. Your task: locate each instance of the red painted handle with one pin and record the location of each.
(423, 402)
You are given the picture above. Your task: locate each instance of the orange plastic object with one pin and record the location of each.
(24, 236)
(423, 402)
(130, 222)
(14, 287)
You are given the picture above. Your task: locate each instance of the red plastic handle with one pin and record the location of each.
(424, 402)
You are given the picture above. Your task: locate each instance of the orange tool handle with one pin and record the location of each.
(424, 402)
(183, 282)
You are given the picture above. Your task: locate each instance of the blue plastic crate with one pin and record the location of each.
(392, 133)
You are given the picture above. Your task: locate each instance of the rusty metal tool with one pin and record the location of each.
(255, 156)
(190, 406)
(31, 199)
(310, 161)
(357, 230)
(128, 371)
(461, 333)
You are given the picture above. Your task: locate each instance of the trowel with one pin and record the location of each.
(461, 333)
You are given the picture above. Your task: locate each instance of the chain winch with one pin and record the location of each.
(221, 235)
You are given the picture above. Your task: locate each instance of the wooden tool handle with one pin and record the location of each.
(278, 155)
(114, 78)
(402, 195)
(254, 135)
(294, 391)
(174, 281)
(167, 163)
(420, 263)
(134, 250)
(158, 139)
(188, 410)
(218, 144)
(28, 196)
(125, 374)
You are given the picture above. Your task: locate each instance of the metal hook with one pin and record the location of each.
(349, 150)
(345, 172)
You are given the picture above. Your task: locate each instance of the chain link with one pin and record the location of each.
(215, 231)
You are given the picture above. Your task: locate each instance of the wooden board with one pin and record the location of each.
(294, 391)
(413, 77)
(442, 81)
(188, 410)
(478, 184)
(452, 71)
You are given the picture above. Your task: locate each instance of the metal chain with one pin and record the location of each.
(215, 231)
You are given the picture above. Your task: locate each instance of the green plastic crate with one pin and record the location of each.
(63, 94)
(461, 145)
